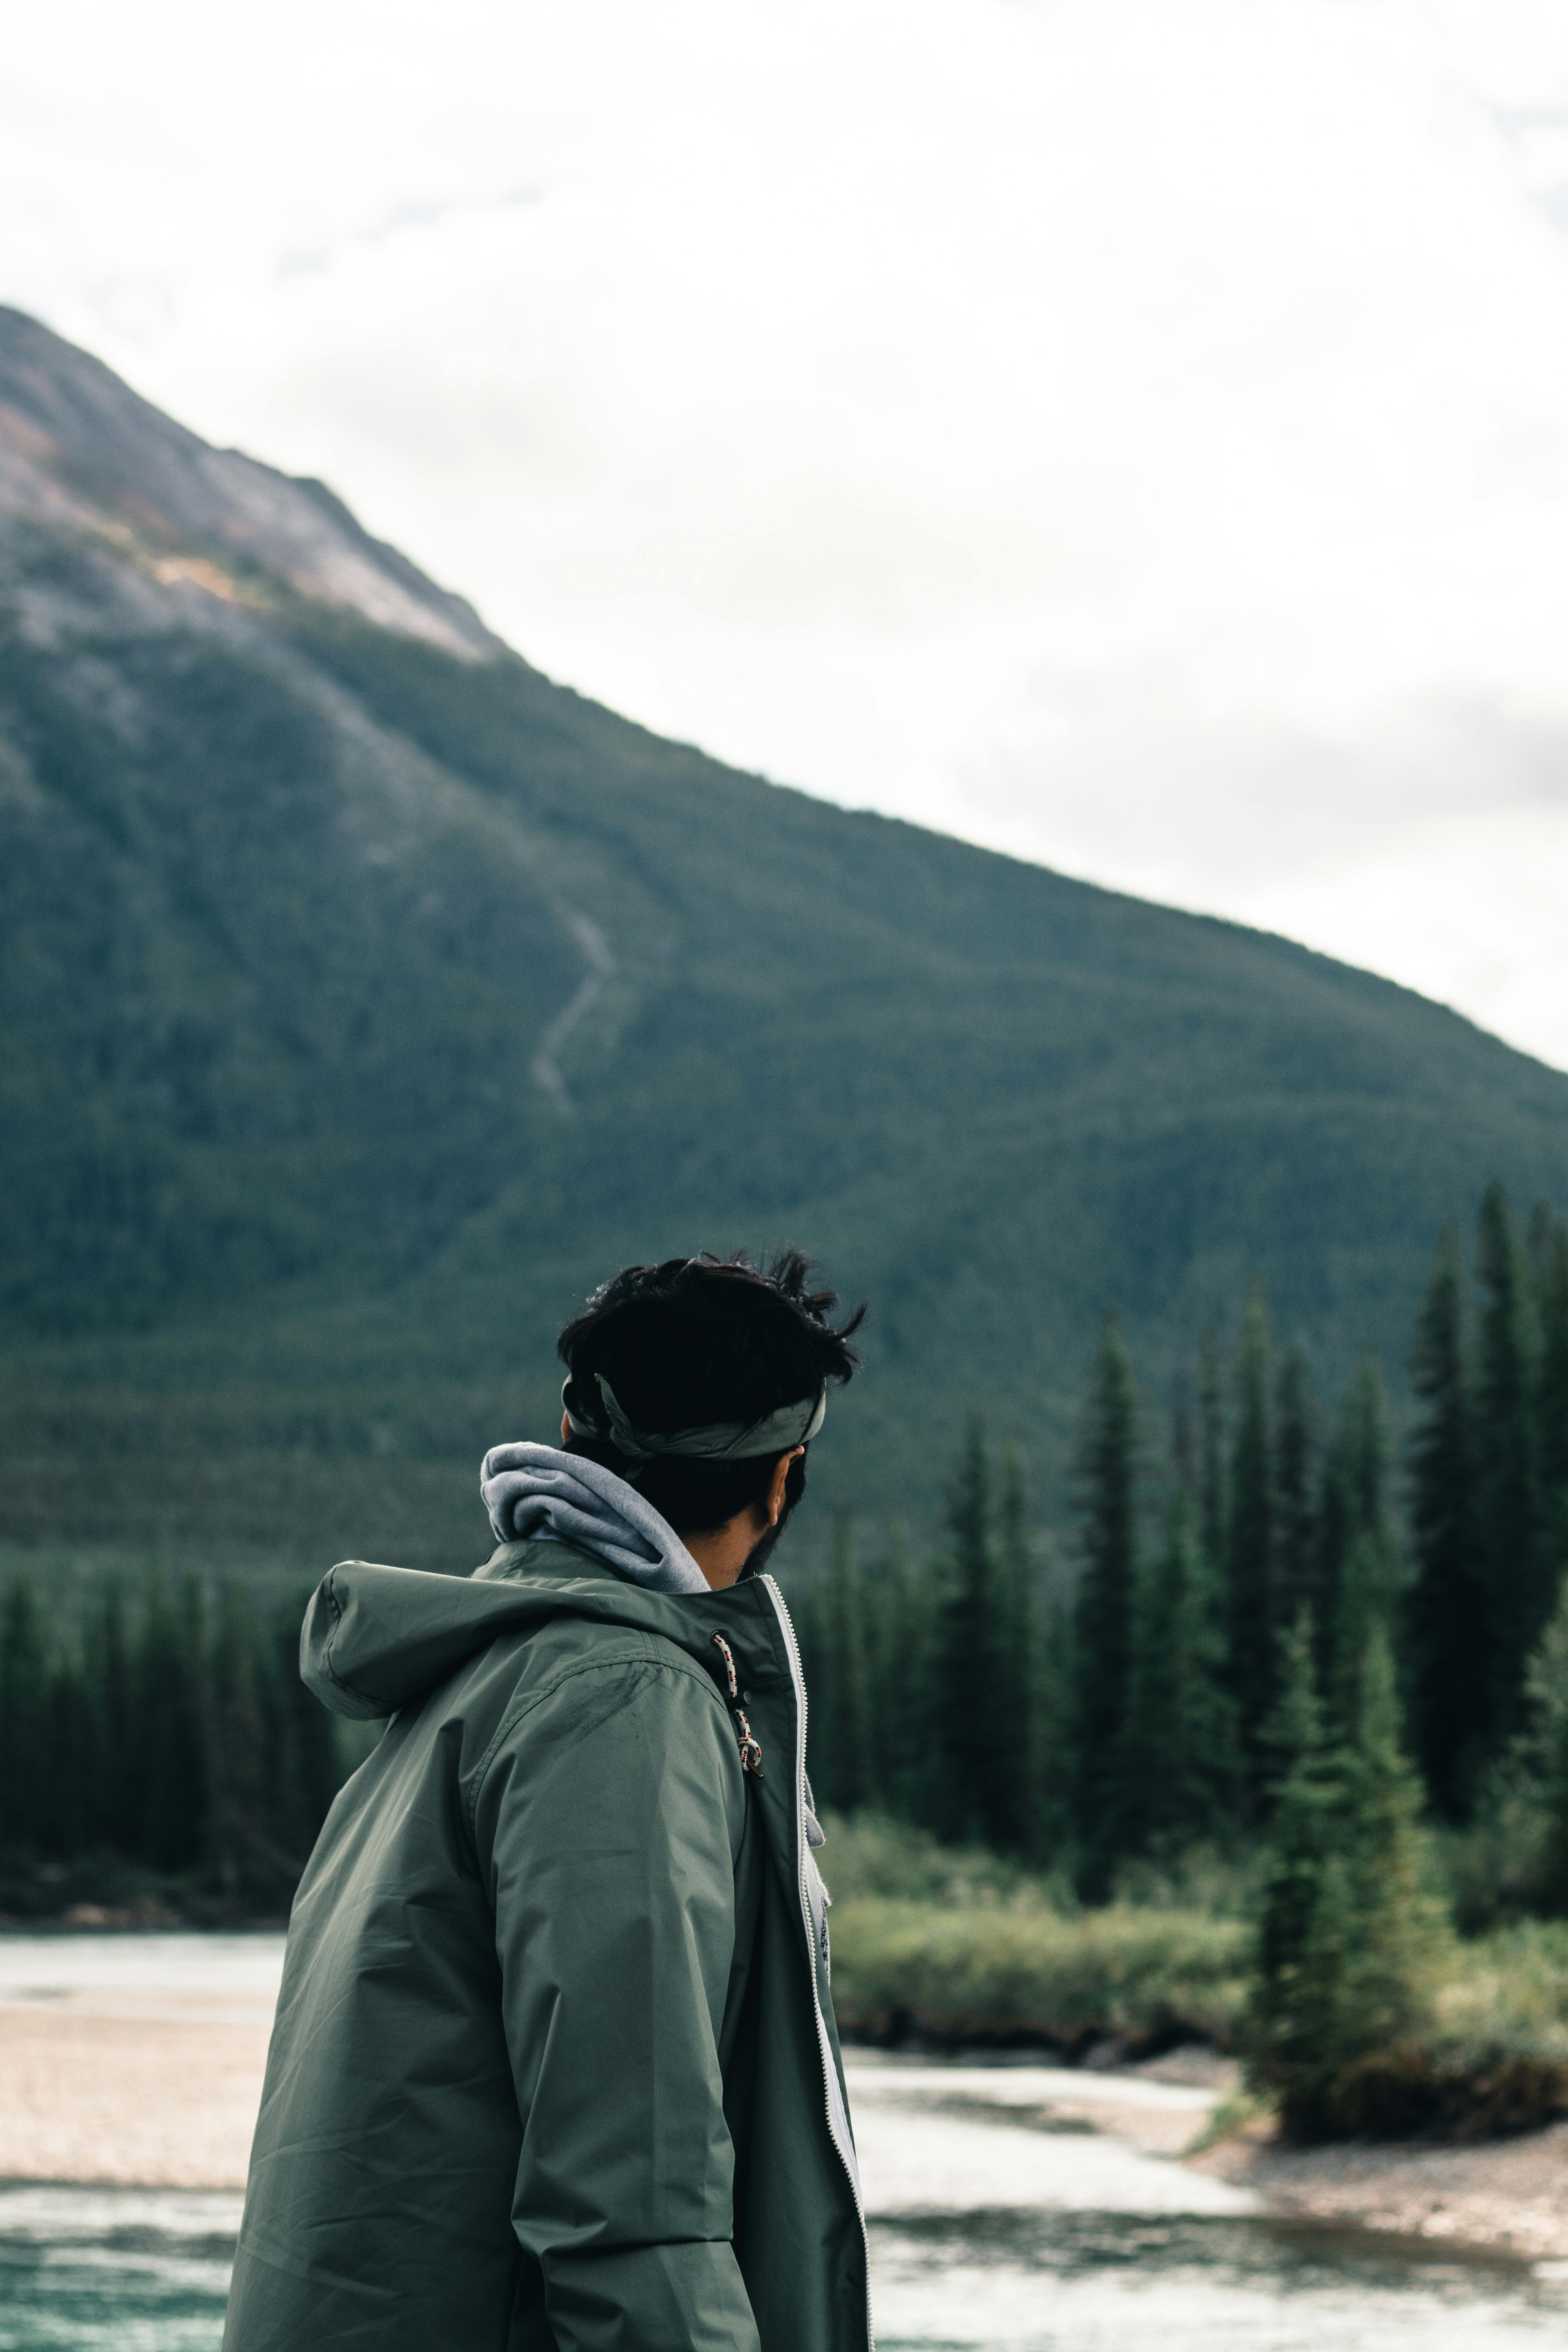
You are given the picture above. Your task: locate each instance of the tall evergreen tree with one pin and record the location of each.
(116, 1809)
(1540, 1235)
(1518, 1582)
(1107, 1804)
(1054, 1712)
(1545, 1756)
(243, 1849)
(901, 1629)
(1347, 1932)
(1295, 1472)
(1356, 1550)
(976, 1799)
(1364, 1606)
(24, 1719)
(1367, 1453)
(1386, 1982)
(1447, 1635)
(1249, 1549)
(843, 1763)
(1296, 1983)
(1017, 1614)
(1551, 1401)
(1213, 1513)
(171, 1708)
(1183, 1734)
(70, 1759)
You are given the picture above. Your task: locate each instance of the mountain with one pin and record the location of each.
(366, 996)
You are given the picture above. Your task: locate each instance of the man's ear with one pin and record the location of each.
(776, 1501)
(565, 1426)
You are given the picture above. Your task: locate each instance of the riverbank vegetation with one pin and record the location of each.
(1335, 1670)
(160, 1757)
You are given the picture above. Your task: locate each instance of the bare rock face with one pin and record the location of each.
(80, 452)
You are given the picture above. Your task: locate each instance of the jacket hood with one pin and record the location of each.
(375, 1637)
(536, 1492)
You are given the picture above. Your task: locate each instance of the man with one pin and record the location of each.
(554, 2063)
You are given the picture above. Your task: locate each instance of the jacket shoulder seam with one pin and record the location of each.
(678, 1663)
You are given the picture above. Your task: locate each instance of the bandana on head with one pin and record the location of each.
(720, 1441)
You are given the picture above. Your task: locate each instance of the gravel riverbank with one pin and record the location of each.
(136, 2062)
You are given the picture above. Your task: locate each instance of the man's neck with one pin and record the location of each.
(724, 1551)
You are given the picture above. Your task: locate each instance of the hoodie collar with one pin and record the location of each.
(540, 1494)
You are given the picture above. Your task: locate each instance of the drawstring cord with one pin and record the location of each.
(751, 1754)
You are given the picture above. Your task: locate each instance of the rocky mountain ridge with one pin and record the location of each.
(364, 996)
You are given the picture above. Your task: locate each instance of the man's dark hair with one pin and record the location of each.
(696, 1341)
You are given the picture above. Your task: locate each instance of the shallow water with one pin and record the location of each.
(143, 2270)
(995, 2227)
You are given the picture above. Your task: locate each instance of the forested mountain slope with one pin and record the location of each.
(364, 996)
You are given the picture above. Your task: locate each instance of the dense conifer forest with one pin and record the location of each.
(1267, 1638)
(1269, 1642)
(1117, 1691)
(162, 1752)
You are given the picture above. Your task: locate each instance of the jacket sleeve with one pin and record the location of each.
(610, 1820)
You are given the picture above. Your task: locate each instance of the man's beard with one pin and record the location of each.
(757, 1558)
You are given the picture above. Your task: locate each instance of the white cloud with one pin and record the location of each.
(1132, 431)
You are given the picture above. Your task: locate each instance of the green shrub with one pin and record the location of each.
(1150, 1979)
(869, 1853)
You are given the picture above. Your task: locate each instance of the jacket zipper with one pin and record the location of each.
(824, 2051)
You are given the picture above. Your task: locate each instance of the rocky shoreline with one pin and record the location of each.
(1505, 2196)
(156, 2085)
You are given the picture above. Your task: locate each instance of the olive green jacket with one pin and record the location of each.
(554, 2067)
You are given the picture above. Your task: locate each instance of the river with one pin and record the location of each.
(1001, 2219)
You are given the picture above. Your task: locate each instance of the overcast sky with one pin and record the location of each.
(1131, 433)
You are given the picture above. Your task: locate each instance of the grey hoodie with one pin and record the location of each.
(536, 1492)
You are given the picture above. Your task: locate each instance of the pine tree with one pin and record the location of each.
(1447, 1632)
(1249, 1550)
(1518, 1582)
(1364, 1607)
(1347, 1935)
(1295, 1472)
(1540, 1235)
(1367, 1583)
(1551, 1401)
(1184, 1733)
(900, 1628)
(1018, 1614)
(170, 1708)
(1297, 1967)
(1367, 1454)
(242, 1850)
(976, 1799)
(1054, 1716)
(1385, 1980)
(1212, 1505)
(116, 1813)
(1545, 1757)
(1107, 1794)
(23, 1720)
(1336, 1533)
(845, 1761)
(70, 1760)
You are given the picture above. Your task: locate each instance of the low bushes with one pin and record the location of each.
(950, 1946)
(1023, 1973)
